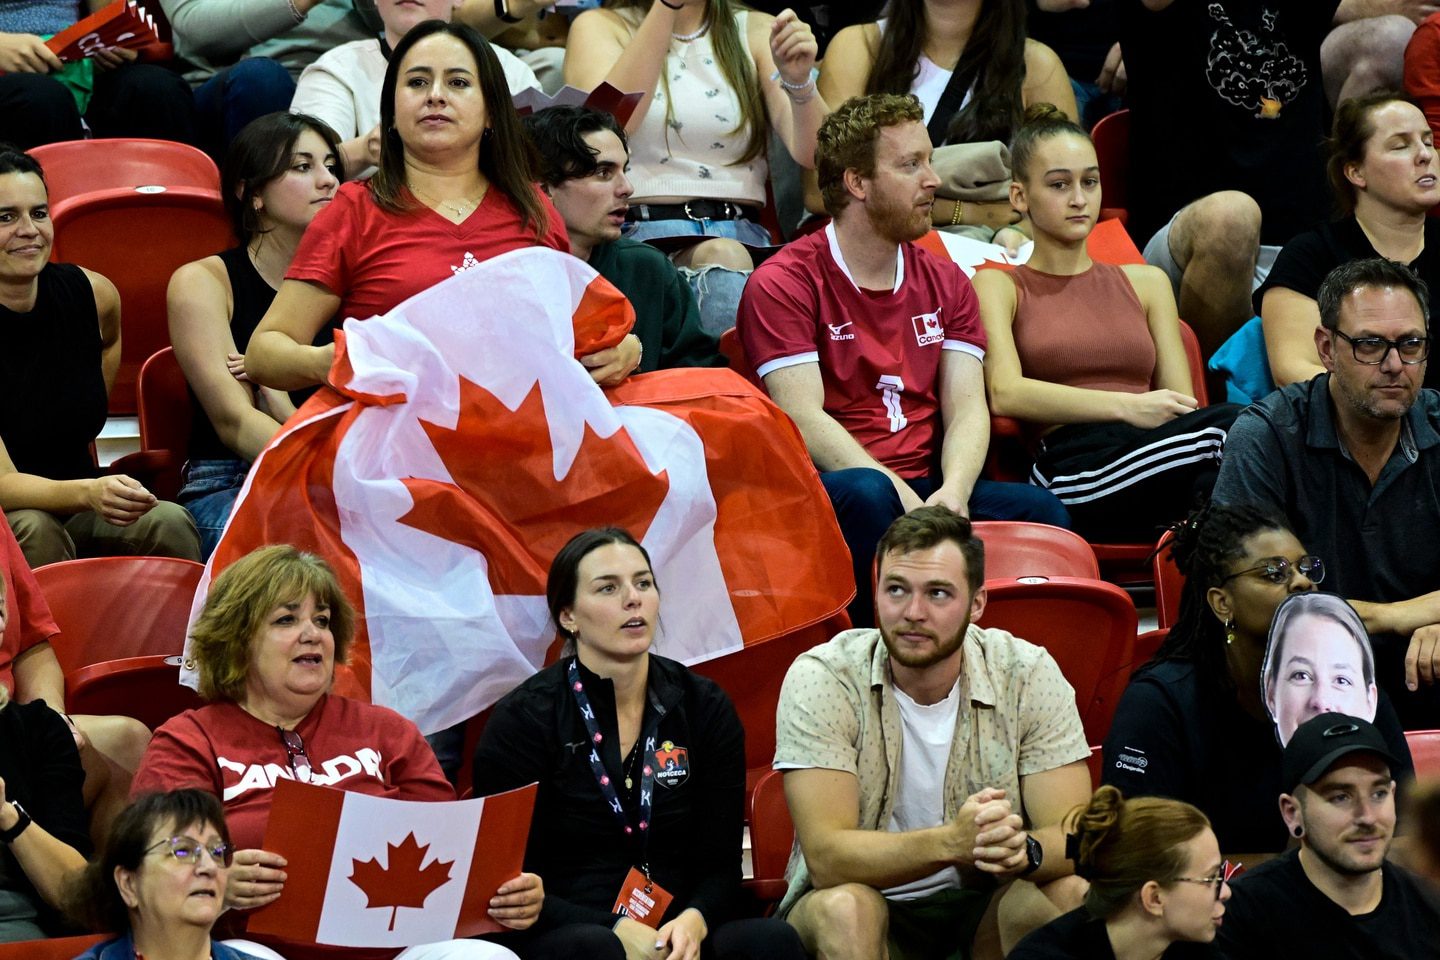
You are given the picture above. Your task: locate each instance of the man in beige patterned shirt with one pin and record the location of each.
(906, 846)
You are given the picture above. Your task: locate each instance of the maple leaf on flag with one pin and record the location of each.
(503, 465)
(403, 883)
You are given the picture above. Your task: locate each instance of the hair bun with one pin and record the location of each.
(1043, 113)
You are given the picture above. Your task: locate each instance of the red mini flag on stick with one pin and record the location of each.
(369, 871)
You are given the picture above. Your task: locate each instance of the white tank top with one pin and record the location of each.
(693, 152)
(930, 82)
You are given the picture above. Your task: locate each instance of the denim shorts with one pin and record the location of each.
(747, 232)
(208, 491)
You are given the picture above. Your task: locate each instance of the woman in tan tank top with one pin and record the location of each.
(1091, 355)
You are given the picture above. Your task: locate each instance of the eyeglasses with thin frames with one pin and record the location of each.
(295, 753)
(1281, 570)
(1372, 351)
(187, 850)
(1227, 870)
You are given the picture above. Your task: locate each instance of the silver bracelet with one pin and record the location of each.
(295, 11)
(809, 82)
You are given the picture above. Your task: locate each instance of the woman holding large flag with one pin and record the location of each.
(455, 186)
(274, 625)
(641, 766)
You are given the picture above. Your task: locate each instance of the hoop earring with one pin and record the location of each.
(1230, 631)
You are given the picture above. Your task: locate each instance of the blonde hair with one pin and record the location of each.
(240, 600)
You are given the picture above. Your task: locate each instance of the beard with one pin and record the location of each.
(1336, 855)
(897, 222)
(906, 655)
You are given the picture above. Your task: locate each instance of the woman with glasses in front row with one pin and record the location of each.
(1193, 724)
(1157, 884)
(160, 882)
(274, 626)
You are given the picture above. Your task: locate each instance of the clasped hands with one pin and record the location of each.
(989, 837)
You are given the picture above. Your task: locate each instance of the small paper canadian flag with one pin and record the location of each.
(374, 872)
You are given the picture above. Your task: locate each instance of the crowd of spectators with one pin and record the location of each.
(935, 768)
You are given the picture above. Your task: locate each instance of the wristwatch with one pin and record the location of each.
(1034, 855)
(22, 821)
(502, 10)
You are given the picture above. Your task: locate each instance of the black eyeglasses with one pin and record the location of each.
(295, 752)
(1280, 570)
(1227, 870)
(1373, 350)
(187, 850)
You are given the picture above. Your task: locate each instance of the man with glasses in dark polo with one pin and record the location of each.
(1352, 459)
(1335, 896)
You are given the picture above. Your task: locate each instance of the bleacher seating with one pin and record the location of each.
(1015, 549)
(109, 608)
(772, 835)
(100, 229)
(1112, 149)
(1425, 751)
(1169, 583)
(75, 167)
(145, 688)
(60, 948)
(1088, 626)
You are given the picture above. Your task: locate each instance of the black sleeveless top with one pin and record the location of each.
(52, 391)
(251, 296)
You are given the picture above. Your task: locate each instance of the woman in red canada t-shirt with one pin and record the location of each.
(454, 187)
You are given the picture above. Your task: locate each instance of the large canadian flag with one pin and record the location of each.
(368, 871)
(462, 445)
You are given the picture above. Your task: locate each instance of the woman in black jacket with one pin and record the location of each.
(641, 765)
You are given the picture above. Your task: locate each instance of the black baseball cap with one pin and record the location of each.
(1320, 741)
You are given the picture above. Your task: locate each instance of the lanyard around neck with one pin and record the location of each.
(597, 766)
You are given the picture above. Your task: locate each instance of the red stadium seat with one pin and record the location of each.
(60, 948)
(73, 167)
(1096, 762)
(1088, 626)
(137, 240)
(1112, 148)
(165, 415)
(752, 678)
(732, 350)
(772, 834)
(146, 688)
(1169, 583)
(1015, 549)
(109, 608)
(1425, 751)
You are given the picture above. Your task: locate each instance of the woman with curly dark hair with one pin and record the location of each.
(1192, 724)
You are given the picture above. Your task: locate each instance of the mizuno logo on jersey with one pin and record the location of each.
(835, 329)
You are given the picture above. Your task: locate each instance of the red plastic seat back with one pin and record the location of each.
(1088, 626)
(138, 240)
(1015, 548)
(60, 948)
(1112, 149)
(74, 167)
(146, 688)
(1096, 763)
(752, 678)
(1425, 751)
(109, 608)
(772, 833)
(165, 416)
(733, 350)
(1169, 583)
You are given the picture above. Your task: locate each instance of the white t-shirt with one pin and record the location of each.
(342, 87)
(930, 82)
(926, 733)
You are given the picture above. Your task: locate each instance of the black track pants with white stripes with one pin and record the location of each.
(1125, 484)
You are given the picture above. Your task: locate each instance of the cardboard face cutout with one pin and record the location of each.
(1317, 660)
